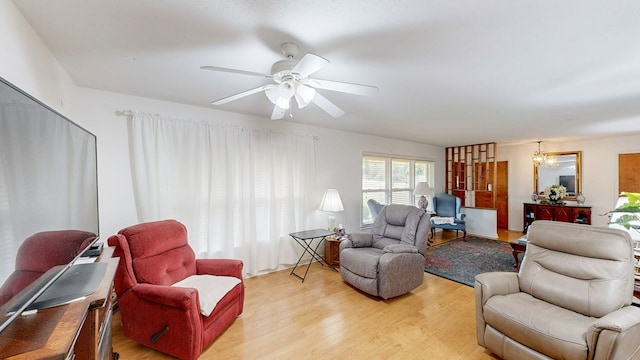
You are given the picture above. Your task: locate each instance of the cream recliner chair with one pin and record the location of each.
(570, 300)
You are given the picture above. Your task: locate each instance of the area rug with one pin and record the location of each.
(461, 261)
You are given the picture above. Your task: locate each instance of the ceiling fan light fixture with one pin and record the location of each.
(291, 78)
(304, 95)
(283, 102)
(273, 94)
(276, 96)
(281, 95)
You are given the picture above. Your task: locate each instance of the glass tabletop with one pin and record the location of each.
(311, 234)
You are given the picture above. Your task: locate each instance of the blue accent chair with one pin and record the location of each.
(447, 205)
(374, 208)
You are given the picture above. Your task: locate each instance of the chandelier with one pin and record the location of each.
(550, 161)
(542, 159)
(539, 157)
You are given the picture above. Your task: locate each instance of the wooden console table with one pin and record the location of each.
(567, 213)
(78, 330)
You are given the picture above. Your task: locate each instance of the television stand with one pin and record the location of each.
(76, 330)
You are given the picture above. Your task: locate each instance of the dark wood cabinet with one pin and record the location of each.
(566, 213)
(332, 251)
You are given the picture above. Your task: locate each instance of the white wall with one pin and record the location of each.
(599, 173)
(34, 69)
(27, 63)
(481, 222)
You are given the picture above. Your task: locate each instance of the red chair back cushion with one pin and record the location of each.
(42, 251)
(160, 252)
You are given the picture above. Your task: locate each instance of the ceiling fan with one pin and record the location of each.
(291, 80)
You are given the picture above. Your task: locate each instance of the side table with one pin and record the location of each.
(306, 239)
(518, 247)
(332, 251)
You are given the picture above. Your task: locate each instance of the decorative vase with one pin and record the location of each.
(580, 199)
(534, 197)
(423, 203)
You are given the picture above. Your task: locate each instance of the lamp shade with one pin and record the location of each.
(331, 201)
(423, 188)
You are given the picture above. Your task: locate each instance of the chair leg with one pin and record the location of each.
(464, 235)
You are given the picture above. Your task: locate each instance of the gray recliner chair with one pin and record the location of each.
(390, 260)
(570, 300)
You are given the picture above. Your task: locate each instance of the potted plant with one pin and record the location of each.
(627, 213)
(554, 194)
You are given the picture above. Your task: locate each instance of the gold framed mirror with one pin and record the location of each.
(564, 168)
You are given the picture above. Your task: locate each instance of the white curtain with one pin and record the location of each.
(239, 191)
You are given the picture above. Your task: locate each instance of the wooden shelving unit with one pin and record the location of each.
(472, 168)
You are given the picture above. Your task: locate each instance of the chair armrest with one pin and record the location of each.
(496, 283)
(619, 320)
(220, 267)
(461, 216)
(615, 335)
(400, 248)
(488, 285)
(177, 297)
(358, 240)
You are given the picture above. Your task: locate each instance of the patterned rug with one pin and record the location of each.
(461, 261)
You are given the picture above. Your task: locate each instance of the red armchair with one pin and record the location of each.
(154, 256)
(39, 253)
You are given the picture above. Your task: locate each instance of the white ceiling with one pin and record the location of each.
(449, 72)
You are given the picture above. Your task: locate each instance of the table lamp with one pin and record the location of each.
(331, 203)
(423, 189)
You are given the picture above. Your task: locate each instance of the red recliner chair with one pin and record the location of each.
(39, 253)
(153, 257)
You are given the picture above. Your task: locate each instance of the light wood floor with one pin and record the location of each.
(326, 318)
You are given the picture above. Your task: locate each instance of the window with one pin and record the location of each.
(391, 180)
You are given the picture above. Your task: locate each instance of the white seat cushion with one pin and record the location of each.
(440, 220)
(211, 289)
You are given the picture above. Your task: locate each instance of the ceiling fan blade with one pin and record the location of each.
(309, 64)
(235, 71)
(278, 113)
(357, 89)
(225, 100)
(326, 105)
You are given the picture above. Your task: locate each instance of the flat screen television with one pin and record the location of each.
(48, 179)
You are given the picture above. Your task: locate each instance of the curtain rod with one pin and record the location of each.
(132, 113)
(124, 113)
